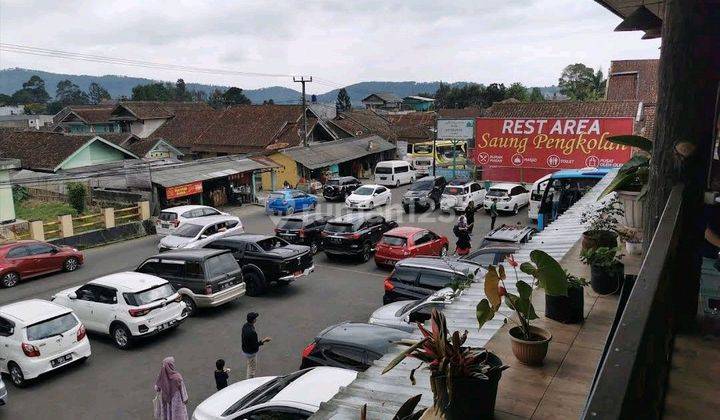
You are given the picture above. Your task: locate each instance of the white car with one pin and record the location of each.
(510, 197)
(294, 396)
(126, 306)
(201, 231)
(3, 393)
(458, 194)
(403, 315)
(394, 173)
(172, 217)
(368, 197)
(37, 336)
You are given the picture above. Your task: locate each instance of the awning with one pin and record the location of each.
(329, 153)
(204, 169)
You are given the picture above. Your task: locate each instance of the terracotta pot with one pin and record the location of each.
(592, 239)
(530, 352)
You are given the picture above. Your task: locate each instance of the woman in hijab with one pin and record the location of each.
(462, 245)
(173, 395)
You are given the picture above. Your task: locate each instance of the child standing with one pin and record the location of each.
(221, 374)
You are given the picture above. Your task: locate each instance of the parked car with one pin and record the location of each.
(355, 234)
(510, 197)
(170, 218)
(38, 336)
(303, 229)
(404, 314)
(407, 241)
(289, 201)
(266, 259)
(126, 305)
(459, 193)
(394, 173)
(22, 260)
(424, 194)
(202, 277)
(508, 236)
(418, 278)
(296, 396)
(491, 254)
(350, 345)
(368, 197)
(339, 188)
(3, 393)
(196, 233)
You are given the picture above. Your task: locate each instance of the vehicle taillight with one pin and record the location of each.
(80, 332)
(208, 289)
(30, 350)
(308, 350)
(178, 299)
(389, 287)
(276, 230)
(301, 232)
(139, 312)
(354, 235)
(175, 222)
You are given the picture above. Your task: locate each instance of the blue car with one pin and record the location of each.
(289, 201)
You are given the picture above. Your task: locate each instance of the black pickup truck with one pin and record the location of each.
(266, 259)
(337, 189)
(355, 234)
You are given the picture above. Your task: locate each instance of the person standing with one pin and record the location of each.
(462, 245)
(470, 217)
(557, 193)
(251, 344)
(493, 213)
(173, 395)
(221, 374)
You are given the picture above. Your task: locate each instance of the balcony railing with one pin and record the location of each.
(633, 372)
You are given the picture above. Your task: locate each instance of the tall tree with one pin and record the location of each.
(68, 93)
(97, 93)
(235, 96)
(154, 92)
(216, 99)
(5, 99)
(32, 92)
(517, 91)
(343, 101)
(441, 96)
(494, 93)
(579, 82)
(536, 95)
(181, 92)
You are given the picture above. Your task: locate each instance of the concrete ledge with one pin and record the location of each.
(105, 236)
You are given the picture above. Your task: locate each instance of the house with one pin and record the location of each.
(460, 113)
(635, 80)
(12, 110)
(86, 119)
(411, 128)
(418, 103)
(383, 101)
(25, 122)
(360, 122)
(142, 118)
(147, 149)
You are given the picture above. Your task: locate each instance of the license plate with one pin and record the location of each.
(165, 325)
(165, 225)
(383, 178)
(226, 285)
(335, 240)
(61, 360)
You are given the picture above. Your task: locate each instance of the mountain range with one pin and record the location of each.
(119, 86)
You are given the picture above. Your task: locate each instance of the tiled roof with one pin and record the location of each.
(187, 126)
(414, 127)
(470, 112)
(90, 114)
(358, 122)
(328, 153)
(141, 147)
(633, 80)
(119, 139)
(148, 110)
(563, 109)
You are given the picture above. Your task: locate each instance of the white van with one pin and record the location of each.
(394, 173)
(536, 195)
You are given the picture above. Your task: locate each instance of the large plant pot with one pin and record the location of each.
(633, 206)
(633, 248)
(472, 398)
(592, 239)
(606, 281)
(530, 352)
(566, 309)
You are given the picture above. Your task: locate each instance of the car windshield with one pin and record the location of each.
(51, 327)
(264, 392)
(291, 224)
(188, 230)
(220, 265)
(271, 243)
(364, 191)
(493, 192)
(339, 228)
(276, 196)
(333, 182)
(167, 216)
(383, 170)
(450, 190)
(393, 240)
(423, 148)
(156, 293)
(422, 186)
(407, 308)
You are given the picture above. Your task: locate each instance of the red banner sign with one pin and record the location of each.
(544, 145)
(183, 190)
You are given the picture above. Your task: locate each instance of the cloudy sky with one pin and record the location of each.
(338, 42)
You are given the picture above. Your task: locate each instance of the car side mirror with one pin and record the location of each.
(203, 236)
(406, 318)
(72, 296)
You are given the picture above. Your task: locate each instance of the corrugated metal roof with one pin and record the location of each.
(384, 394)
(200, 170)
(320, 155)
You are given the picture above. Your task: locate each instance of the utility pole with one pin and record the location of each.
(302, 80)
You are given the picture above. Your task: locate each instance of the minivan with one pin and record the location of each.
(419, 277)
(394, 173)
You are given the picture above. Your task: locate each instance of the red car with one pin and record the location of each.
(407, 241)
(24, 259)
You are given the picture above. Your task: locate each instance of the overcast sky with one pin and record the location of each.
(342, 42)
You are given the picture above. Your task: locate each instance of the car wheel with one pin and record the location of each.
(254, 283)
(10, 279)
(365, 255)
(71, 264)
(515, 209)
(16, 375)
(290, 211)
(406, 209)
(397, 183)
(190, 305)
(444, 251)
(121, 337)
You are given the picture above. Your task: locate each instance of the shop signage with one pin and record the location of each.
(183, 190)
(455, 129)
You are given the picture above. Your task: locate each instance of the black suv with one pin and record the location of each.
(340, 188)
(203, 277)
(350, 346)
(424, 194)
(303, 229)
(355, 234)
(266, 259)
(418, 278)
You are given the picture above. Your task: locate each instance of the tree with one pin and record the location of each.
(269, 102)
(441, 96)
(5, 99)
(68, 93)
(494, 93)
(579, 82)
(235, 96)
(216, 99)
(97, 93)
(154, 92)
(181, 92)
(517, 91)
(35, 86)
(536, 95)
(343, 101)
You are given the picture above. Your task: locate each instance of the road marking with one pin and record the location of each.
(334, 267)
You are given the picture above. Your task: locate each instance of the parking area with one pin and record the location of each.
(119, 384)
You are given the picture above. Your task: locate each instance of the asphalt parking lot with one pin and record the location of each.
(116, 384)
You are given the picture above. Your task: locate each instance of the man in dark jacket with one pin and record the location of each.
(251, 344)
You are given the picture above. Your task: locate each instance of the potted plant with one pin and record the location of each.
(529, 343)
(564, 297)
(602, 225)
(606, 269)
(633, 240)
(464, 380)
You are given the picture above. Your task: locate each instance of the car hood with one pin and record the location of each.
(172, 241)
(417, 193)
(353, 197)
(289, 251)
(216, 404)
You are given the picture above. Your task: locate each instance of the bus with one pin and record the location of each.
(572, 184)
(420, 155)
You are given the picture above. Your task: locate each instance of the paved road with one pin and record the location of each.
(116, 384)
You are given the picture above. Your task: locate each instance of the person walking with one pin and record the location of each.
(493, 213)
(470, 217)
(462, 245)
(170, 389)
(251, 344)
